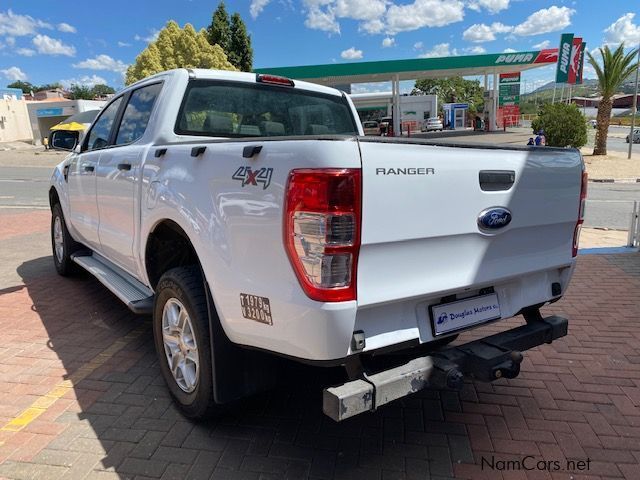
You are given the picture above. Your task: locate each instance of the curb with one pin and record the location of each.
(614, 180)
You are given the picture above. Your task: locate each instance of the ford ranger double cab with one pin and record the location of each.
(253, 220)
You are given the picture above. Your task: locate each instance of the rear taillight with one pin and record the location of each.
(322, 231)
(583, 201)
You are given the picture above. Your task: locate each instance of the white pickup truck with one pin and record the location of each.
(250, 216)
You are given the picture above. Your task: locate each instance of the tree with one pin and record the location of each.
(219, 32)
(81, 92)
(232, 36)
(240, 52)
(102, 90)
(616, 67)
(563, 124)
(47, 86)
(452, 89)
(177, 48)
(26, 87)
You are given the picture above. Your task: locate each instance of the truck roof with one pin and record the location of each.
(248, 77)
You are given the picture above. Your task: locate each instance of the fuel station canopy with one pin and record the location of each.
(395, 71)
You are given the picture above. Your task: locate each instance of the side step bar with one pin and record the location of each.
(133, 294)
(486, 359)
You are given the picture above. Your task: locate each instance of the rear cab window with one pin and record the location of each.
(235, 109)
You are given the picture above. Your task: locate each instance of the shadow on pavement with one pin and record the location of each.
(123, 416)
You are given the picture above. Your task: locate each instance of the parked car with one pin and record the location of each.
(371, 128)
(386, 125)
(636, 136)
(433, 124)
(311, 242)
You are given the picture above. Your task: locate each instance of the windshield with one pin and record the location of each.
(234, 109)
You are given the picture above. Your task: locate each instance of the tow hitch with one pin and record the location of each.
(487, 359)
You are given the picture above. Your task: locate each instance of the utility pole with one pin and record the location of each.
(635, 107)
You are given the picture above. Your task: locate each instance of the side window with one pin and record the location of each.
(99, 134)
(136, 115)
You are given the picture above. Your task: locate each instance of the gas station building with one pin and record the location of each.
(489, 66)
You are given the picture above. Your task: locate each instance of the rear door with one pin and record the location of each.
(117, 174)
(82, 177)
(422, 209)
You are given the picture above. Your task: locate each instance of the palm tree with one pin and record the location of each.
(614, 69)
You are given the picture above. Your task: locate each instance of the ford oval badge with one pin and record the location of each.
(494, 218)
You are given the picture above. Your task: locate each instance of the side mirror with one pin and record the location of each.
(64, 140)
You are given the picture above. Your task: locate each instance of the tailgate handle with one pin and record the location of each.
(496, 180)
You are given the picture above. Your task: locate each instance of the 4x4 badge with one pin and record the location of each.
(254, 177)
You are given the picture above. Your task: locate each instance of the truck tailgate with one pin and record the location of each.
(420, 210)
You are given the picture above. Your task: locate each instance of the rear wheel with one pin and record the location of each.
(61, 243)
(181, 333)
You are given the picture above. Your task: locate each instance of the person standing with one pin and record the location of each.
(541, 140)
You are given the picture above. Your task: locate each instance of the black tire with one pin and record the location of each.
(62, 259)
(185, 284)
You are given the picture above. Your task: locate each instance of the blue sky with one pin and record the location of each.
(90, 42)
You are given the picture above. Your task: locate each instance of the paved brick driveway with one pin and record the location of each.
(81, 395)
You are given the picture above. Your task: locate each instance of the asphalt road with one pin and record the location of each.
(608, 205)
(24, 186)
(616, 139)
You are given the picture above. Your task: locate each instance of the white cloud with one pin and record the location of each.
(480, 32)
(374, 87)
(87, 81)
(509, 50)
(388, 42)
(325, 20)
(257, 6)
(65, 27)
(11, 41)
(124, 44)
(542, 45)
(14, 74)
(19, 25)
(351, 54)
(623, 30)
(102, 62)
(325, 14)
(418, 46)
(423, 13)
(493, 6)
(26, 52)
(545, 20)
(372, 26)
(476, 50)
(52, 46)
(152, 37)
(377, 16)
(439, 50)
(360, 9)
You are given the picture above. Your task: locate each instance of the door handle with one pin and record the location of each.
(87, 167)
(124, 166)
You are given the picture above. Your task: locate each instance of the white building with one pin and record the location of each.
(414, 109)
(44, 115)
(14, 118)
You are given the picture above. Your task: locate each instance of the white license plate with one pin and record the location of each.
(449, 317)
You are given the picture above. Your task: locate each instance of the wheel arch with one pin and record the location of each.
(53, 197)
(167, 246)
(237, 372)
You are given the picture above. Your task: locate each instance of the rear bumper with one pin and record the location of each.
(486, 359)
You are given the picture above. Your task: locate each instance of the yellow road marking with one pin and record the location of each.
(39, 406)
